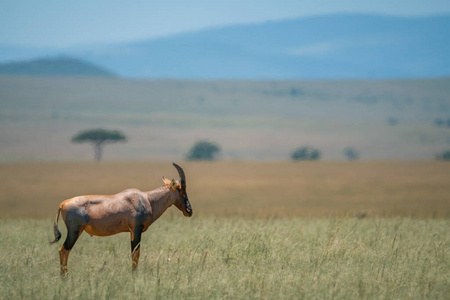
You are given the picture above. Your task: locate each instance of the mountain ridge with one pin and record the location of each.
(336, 46)
(54, 66)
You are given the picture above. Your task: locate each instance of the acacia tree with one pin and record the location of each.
(306, 153)
(203, 150)
(443, 156)
(351, 153)
(98, 138)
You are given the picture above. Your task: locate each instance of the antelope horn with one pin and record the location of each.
(180, 172)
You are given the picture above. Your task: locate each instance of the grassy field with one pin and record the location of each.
(259, 230)
(235, 258)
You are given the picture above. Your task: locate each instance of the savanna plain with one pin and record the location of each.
(270, 230)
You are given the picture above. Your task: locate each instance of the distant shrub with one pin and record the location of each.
(444, 155)
(295, 92)
(441, 123)
(351, 153)
(203, 150)
(392, 121)
(306, 153)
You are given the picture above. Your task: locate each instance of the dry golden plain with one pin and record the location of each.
(248, 189)
(278, 230)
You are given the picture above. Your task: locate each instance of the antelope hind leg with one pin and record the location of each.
(63, 256)
(72, 237)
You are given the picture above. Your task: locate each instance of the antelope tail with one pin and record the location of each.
(55, 227)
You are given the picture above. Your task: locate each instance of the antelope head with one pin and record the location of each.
(178, 187)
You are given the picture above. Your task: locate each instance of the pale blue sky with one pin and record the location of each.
(59, 23)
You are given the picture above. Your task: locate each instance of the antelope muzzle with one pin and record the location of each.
(187, 208)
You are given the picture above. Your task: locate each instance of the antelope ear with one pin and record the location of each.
(173, 185)
(165, 180)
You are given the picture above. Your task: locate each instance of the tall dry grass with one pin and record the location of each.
(284, 189)
(235, 258)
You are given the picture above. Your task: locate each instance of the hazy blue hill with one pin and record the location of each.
(334, 46)
(341, 46)
(61, 66)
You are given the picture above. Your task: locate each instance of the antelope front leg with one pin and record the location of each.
(135, 247)
(135, 258)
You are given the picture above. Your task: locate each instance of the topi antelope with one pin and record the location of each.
(129, 211)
